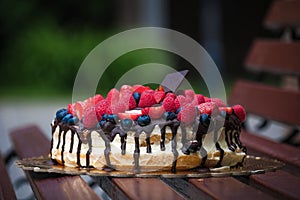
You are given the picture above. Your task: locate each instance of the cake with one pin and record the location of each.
(139, 129)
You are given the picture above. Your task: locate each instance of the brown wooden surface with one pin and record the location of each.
(228, 188)
(281, 151)
(274, 56)
(283, 14)
(280, 184)
(267, 101)
(30, 142)
(6, 188)
(146, 188)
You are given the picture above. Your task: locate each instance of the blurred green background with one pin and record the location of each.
(43, 43)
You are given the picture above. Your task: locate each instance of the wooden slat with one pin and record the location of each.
(274, 56)
(228, 188)
(145, 188)
(266, 101)
(30, 142)
(281, 151)
(283, 14)
(6, 188)
(280, 184)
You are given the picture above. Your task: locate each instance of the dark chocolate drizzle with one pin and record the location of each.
(109, 130)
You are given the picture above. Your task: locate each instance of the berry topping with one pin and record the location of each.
(205, 119)
(189, 94)
(79, 109)
(132, 114)
(169, 104)
(155, 112)
(207, 108)
(217, 101)
(112, 97)
(180, 101)
(143, 120)
(199, 98)
(140, 88)
(90, 119)
(101, 108)
(61, 113)
(228, 110)
(66, 118)
(126, 124)
(169, 116)
(71, 109)
(147, 99)
(240, 112)
(187, 114)
(171, 94)
(158, 96)
(136, 96)
(73, 120)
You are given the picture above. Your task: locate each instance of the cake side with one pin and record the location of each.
(134, 141)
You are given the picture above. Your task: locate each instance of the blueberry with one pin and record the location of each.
(113, 118)
(143, 120)
(169, 115)
(136, 96)
(61, 113)
(101, 123)
(66, 118)
(178, 110)
(205, 119)
(73, 120)
(105, 116)
(126, 124)
(223, 113)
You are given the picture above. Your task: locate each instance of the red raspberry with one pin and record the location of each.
(118, 108)
(140, 88)
(207, 108)
(199, 98)
(71, 109)
(218, 101)
(240, 112)
(90, 119)
(127, 99)
(101, 109)
(147, 99)
(189, 94)
(180, 101)
(187, 114)
(227, 109)
(169, 104)
(159, 96)
(170, 94)
(97, 98)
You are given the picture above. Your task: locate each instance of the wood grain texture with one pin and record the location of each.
(269, 102)
(280, 184)
(6, 188)
(30, 142)
(274, 56)
(283, 14)
(228, 188)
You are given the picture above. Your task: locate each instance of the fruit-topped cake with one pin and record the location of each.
(139, 129)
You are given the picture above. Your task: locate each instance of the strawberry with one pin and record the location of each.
(90, 119)
(189, 94)
(101, 108)
(187, 114)
(141, 88)
(180, 101)
(227, 109)
(132, 114)
(207, 108)
(169, 104)
(240, 112)
(112, 97)
(158, 96)
(147, 99)
(155, 112)
(79, 108)
(71, 109)
(199, 98)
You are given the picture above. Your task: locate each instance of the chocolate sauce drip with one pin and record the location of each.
(107, 147)
(136, 154)
(219, 164)
(174, 129)
(78, 153)
(59, 136)
(72, 141)
(63, 146)
(88, 153)
(162, 137)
